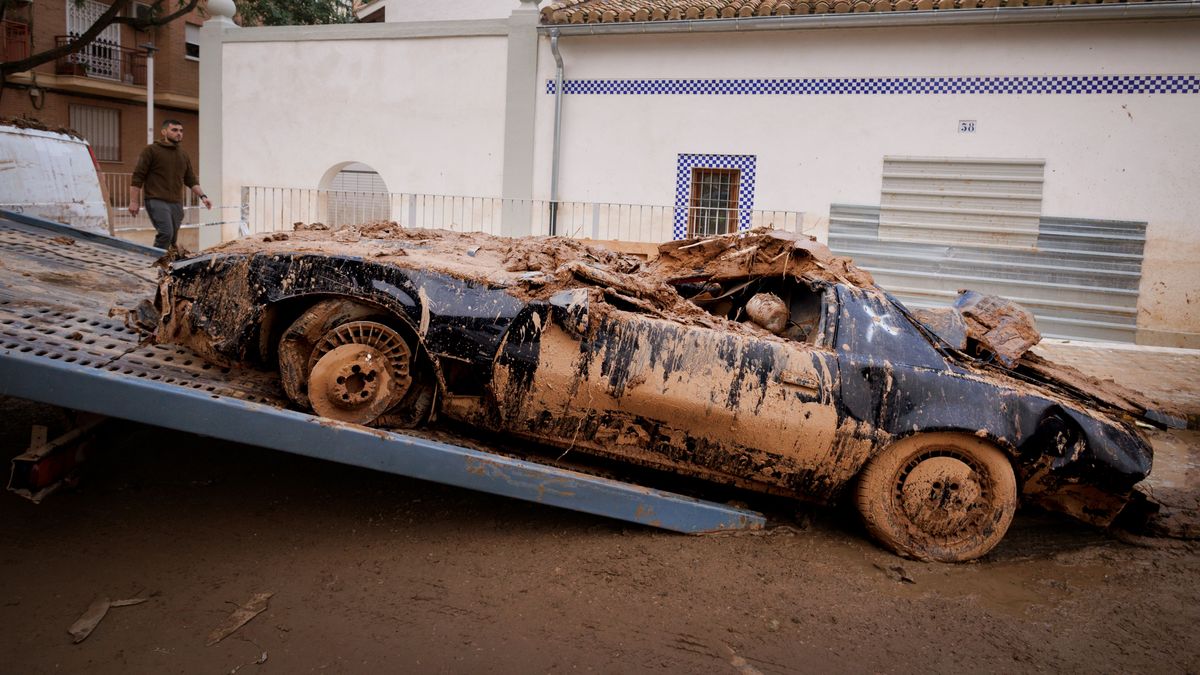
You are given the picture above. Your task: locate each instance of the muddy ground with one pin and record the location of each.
(374, 572)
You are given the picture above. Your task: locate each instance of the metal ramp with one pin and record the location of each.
(60, 345)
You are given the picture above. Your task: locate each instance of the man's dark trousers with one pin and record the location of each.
(166, 216)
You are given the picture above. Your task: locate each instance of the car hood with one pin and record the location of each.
(1000, 334)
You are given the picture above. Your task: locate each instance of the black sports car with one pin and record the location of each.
(757, 359)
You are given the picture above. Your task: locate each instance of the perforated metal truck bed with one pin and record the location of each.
(63, 341)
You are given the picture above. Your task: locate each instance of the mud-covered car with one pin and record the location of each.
(758, 360)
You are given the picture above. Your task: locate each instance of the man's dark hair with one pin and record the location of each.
(167, 123)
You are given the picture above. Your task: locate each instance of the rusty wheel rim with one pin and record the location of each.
(944, 494)
(358, 371)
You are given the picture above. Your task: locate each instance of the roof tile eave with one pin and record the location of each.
(566, 12)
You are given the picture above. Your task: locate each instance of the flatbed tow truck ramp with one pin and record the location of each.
(63, 341)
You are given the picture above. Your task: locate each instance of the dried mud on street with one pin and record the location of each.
(368, 571)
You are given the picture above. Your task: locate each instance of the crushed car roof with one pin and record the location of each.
(537, 267)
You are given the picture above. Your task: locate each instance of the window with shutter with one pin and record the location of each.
(102, 129)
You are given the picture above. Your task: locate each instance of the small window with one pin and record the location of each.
(714, 202)
(102, 129)
(192, 41)
(140, 11)
(14, 40)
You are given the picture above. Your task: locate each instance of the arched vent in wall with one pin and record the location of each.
(357, 194)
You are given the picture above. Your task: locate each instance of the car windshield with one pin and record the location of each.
(870, 326)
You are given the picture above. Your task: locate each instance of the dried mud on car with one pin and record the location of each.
(758, 360)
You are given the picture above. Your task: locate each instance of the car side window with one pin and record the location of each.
(785, 307)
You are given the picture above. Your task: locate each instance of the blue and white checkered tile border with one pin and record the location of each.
(1075, 84)
(683, 186)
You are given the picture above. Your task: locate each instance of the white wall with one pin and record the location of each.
(1108, 156)
(427, 114)
(816, 149)
(399, 11)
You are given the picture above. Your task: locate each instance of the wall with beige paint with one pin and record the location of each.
(428, 114)
(1108, 156)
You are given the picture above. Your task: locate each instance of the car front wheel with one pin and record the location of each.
(347, 363)
(941, 497)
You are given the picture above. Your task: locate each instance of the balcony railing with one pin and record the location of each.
(104, 60)
(14, 41)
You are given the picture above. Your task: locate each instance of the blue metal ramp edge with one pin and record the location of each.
(75, 233)
(108, 393)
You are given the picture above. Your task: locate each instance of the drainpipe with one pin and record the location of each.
(558, 99)
(150, 49)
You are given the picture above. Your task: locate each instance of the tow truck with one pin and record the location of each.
(64, 342)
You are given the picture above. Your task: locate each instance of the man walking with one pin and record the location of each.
(162, 169)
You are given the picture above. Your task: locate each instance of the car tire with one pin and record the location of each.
(346, 350)
(941, 497)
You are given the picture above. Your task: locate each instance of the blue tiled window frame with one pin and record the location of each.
(745, 164)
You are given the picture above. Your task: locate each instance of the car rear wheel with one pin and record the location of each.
(345, 362)
(941, 497)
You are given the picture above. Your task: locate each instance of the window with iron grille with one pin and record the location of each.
(102, 56)
(713, 207)
(102, 129)
(14, 40)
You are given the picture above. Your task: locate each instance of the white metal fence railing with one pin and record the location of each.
(117, 187)
(268, 209)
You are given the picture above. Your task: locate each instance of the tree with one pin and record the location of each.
(163, 12)
(160, 14)
(294, 12)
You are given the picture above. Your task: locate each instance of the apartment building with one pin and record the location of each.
(101, 91)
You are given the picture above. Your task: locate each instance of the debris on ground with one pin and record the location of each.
(738, 662)
(239, 617)
(63, 240)
(896, 573)
(256, 662)
(95, 612)
(1172, 504)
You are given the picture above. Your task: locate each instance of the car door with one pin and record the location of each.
(715, 402)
